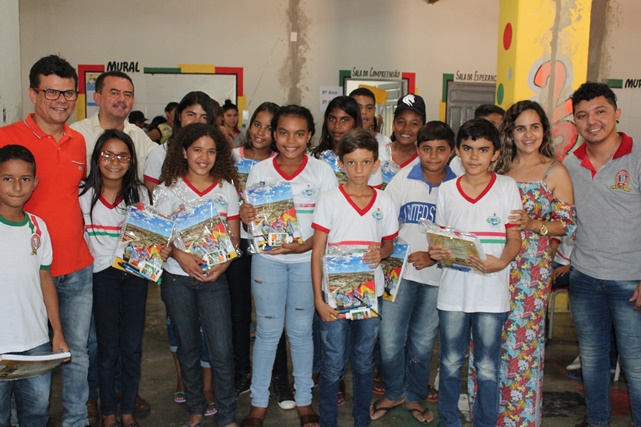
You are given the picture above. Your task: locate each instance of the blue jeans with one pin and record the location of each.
(456, 327)
(119, 306)
(92, 377)
(283, 296)
(335, 352)
(31, 396)
(408, 329)
(75, 299)
(596, 306)
(190, 305)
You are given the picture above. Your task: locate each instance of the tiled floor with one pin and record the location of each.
(562, 396)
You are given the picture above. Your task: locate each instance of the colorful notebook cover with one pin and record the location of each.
(201, 231)
(393, 268)
(276, 222)
(331, 159)
(142, 238)
(461, 244)
(349, 286)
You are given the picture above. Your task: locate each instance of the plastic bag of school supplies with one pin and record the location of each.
(393, 268)
(276, 222)
(143, 235)
(349, 286)
(460, 243)
(200, 230)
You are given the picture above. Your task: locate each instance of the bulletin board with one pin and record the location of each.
(157, 86)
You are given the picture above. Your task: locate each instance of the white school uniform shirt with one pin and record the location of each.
(169, 200)
(388, 166)
(308, 182)
(25, 249)
(416, 199)
(329, 157)
(103, 226)
(348, 225)
(487, 218)
(153, 165)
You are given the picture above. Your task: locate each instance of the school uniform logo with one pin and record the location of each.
(308, 191)
(621, 181)
(377, 215)
(220, 201)
(36, 237)
(493, 220)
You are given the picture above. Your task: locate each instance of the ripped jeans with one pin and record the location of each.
(283, 296)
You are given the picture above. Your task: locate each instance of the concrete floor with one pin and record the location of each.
(159, 379)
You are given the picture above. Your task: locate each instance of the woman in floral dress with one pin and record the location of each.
(528, 156)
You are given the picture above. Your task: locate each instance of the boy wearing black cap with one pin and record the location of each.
(409, 116)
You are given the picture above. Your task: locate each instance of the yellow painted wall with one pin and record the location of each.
(543, 56)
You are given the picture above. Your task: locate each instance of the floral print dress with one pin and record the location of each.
(523, 340)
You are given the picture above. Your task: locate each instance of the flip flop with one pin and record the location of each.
(211, 409)
(179, 397)
(425, 413)
(375, 408)
(198, 424)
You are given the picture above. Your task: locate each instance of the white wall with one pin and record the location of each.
(404, 35)
(10, 73)
(622, 60)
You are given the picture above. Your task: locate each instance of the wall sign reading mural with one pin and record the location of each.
(632, 84)
(474, 77)
(125, 67)
(378, 74)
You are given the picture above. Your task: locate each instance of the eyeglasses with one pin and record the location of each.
(108, 156)
(54, 94)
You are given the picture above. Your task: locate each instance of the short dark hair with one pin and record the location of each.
(17, 152)
(52, 64)
(435, 130)
(295, 111)
(479, 128)
(171, 106)
(485, 110)
(590, 90)
(355, 139)
(363, 91)
(100, 81)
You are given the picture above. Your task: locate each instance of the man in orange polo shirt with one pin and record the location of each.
(61, 163)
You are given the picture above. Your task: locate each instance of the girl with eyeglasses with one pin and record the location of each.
(119, 298)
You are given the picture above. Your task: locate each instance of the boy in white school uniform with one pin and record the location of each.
(475, 303)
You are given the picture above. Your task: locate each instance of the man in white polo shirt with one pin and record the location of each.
(115, 98)
(605, 280)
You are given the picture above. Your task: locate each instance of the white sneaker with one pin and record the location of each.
(574, 365)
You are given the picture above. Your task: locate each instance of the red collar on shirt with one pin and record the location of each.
(624, 149)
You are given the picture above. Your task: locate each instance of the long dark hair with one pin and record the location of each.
(346, 104)
(508, 147)
(131, 185)
(269, 107)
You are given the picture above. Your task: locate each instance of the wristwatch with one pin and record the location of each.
(544, 229)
